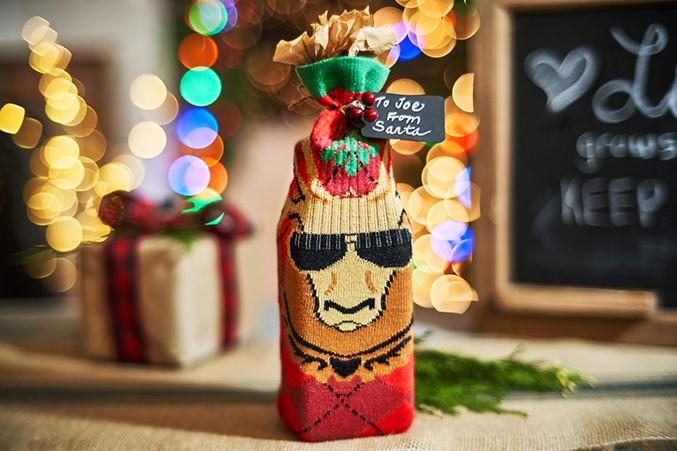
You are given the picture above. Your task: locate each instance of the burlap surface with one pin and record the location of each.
(644, 423)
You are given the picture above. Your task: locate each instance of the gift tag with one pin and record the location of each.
(412, 118)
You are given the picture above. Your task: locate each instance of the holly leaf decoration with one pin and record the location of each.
(350, 153)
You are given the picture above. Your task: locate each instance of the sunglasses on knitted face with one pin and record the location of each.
(314, 252)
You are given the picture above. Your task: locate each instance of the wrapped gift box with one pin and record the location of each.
(166, 297)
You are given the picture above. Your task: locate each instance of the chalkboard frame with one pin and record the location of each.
(491, 60)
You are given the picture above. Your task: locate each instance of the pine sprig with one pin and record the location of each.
(447, 381)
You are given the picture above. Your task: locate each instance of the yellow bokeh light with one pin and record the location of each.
(45, 206)
(442, 50)
(165, 113)
(34, 29)
(47, 79)
(438, 37)
(80, 116)
(147, 139)
(423, 254)
(460, 123)
(148, 92)
(11, 118)
(60, 152)
(64, 276)
(67, 178)
(29, 134)
(93, 229)
(93, 145)
(440, 177)
(32, 186)
(443, 212)
(134, 165)
(71, 111)
(466, 25)
(113, 177)
(406, 147)
(452, 294)
(447, 148)
(422, 279)
(85, 126)
(90, 175)
(64, 234)
(47, 57)
(405, 86)
(462, 92)
(419, 203)
(40, 35)
(435, 8)
(37, 163)
(40, 264)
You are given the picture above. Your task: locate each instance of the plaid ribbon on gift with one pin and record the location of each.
(121, 264)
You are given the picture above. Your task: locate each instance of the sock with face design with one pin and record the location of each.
(344, 269)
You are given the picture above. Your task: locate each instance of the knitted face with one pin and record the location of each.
(350, 273)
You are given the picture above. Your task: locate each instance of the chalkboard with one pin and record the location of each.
(413, 118)
(594, 148)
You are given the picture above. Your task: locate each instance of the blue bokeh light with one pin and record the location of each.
(197, 128)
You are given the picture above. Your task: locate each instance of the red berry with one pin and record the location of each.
(355, 112)
(370, 115)
(368, 98)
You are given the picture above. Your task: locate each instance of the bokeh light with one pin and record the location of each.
(188, 175)
(148, 91)
(147, 139)
(405, 86)
(200, 86)
(60, 152)
(210, 154)
(165, 113)
(64, 234)
(11, 118)
(64, 276)
(462, 92)
(422, 279)
(408, 50)
(40, 264)
(218, 177)
(197, 128)
(197, 50)
(208, 17)
(28, 136)
(451, 293)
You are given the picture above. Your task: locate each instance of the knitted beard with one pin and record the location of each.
(344, 275)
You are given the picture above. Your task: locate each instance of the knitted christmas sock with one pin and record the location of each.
(344, 264)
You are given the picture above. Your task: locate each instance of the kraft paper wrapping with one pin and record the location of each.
(179, 300)
(349, 33)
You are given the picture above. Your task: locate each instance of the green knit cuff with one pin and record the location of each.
(354, 73)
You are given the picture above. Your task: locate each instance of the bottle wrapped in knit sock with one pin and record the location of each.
(344, 268)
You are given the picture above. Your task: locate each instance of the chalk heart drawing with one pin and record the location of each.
(563, 81)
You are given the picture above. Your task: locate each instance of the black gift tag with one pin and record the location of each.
(412, 118)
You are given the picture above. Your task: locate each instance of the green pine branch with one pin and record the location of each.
(447, 381)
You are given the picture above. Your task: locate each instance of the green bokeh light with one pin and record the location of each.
(208, 17)
(200, 86)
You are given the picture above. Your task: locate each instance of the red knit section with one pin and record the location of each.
(331, 126)
(341, 409)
